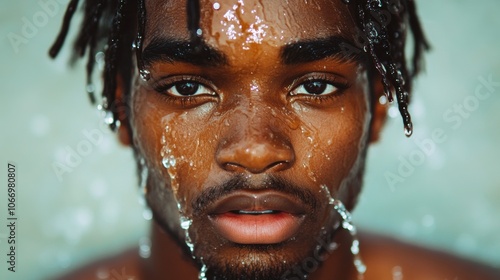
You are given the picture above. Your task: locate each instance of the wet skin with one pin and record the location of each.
(252, 127)
(263, 127)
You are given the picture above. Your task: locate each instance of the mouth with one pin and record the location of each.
(267, 217)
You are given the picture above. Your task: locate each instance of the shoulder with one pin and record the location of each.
(389, 258)
(125, 265)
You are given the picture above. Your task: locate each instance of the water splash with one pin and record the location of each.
(147, 214)
(185, 225)
(347, 224)
(169, 161)
(203, 272)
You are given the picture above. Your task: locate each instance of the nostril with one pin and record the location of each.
(275, 166)
(233, 167)
(255, 155)
(278, 166)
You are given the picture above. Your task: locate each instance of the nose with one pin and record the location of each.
(255, 148)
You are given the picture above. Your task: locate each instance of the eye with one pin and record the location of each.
(187, 88)
(315, 87)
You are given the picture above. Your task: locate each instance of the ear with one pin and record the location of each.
(379, 110)
(124, 134)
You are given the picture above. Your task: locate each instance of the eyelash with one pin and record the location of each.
(161, 87)
(319, 77)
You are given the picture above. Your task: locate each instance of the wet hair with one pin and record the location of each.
(116, 27)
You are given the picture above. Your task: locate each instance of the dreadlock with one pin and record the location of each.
(107, 25)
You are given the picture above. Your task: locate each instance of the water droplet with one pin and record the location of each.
(166, 162)
(400, 78)
(371, 31)
(145, 74)
(203, 273)
(173, 161)
(408, 130)
(185, 223)
(347, 224)
(109, 118)
(216, 6)
(99, 57)
(147, 214)
(105, 103)
(90, 88)
(346, 1)
(169, 161)
(382, 100)
(145, 247)
(375, 4)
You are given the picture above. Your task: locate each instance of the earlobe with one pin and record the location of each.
(379, 110)
(123, 132)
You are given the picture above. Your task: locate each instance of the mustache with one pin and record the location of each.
(212, 194)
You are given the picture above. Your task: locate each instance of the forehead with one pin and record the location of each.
(244, 23)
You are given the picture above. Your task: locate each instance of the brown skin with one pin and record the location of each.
(252, 118)
(255, 117)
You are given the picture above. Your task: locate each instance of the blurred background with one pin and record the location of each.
(440, 188)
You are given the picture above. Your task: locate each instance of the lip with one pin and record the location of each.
(267, 217)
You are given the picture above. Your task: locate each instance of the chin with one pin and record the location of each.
(254, 262)
(228, 260)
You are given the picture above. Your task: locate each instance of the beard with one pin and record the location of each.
(290, 259)
(255, 262)
(266, 262)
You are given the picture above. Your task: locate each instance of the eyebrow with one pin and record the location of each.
(335, 47)
(167, 50)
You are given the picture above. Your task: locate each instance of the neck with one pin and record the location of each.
(169, 260)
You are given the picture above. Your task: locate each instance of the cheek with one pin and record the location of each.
(178, 146)
(188, 143)
(331, 142)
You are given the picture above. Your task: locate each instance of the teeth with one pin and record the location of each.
(261, 212)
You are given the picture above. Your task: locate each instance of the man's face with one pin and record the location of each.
(242, 135)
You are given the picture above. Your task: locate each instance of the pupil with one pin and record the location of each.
(187, 88)
(315, 87)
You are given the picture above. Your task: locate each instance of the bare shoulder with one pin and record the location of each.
(389, 258)
(124, 266)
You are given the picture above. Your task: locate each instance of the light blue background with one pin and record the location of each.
(451, 201)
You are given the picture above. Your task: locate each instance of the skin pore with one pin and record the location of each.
(259, 109)
(248, 128)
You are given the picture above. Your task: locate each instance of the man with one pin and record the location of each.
(250, 122)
